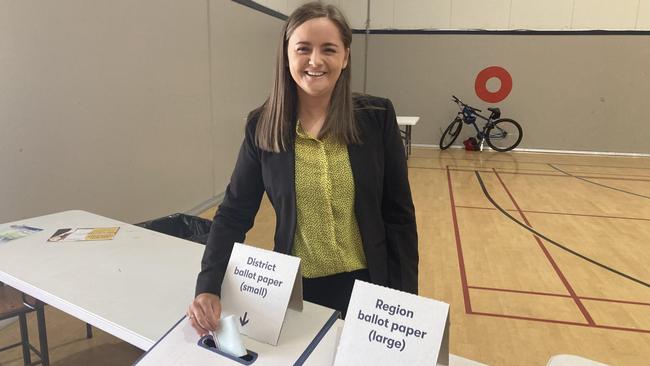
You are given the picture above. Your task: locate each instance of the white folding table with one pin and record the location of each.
(408, 122)
(133, 287)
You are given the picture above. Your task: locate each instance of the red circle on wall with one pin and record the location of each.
(481, 84)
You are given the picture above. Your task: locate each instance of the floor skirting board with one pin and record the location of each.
(546, 151)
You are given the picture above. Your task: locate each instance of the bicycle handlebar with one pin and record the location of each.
(460, 102)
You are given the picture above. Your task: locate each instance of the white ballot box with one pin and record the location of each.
(304, 340)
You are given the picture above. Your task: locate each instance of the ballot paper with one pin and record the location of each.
(84, 234)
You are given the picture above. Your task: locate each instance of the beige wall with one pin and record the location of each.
(130, 109)
(244, 43)
(585, 93)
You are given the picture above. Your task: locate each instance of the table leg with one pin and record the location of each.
(408, 140)
(42, 334)
(24, 337)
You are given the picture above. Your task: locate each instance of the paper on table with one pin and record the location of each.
(84, 234)
(16, 232)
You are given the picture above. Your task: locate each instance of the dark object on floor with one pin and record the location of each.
(471, 144)
(182, 226)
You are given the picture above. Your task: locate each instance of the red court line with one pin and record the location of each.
(518, 291)
(558, 213)
(617, 301)
(459, 249)
(489, 170)
(522, 169)
(426, 167)
(545, 163)
(533, 319)
(613, 175)
(558, 295)
(557, 269)
(610, 178)
(517, 170)
(563, 322)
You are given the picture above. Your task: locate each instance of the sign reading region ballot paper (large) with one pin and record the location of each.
(389, 327)
(258, 287)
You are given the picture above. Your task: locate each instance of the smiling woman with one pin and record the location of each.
(334, 169)
(316, 41)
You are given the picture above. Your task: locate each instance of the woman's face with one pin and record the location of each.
(316, 57)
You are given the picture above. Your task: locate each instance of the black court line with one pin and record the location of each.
(535, 232)
(598, 184)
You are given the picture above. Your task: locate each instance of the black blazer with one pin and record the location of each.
(383, 203)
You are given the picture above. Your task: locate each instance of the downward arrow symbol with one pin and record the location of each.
(244, 321)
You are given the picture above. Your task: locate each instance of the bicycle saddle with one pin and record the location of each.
(496, 113)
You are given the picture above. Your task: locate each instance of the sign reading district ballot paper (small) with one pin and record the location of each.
(257, 288)
(389, 327)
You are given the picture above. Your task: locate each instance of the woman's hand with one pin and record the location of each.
(204, 313)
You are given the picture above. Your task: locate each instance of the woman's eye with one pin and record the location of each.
(302, 49)
(330, 50)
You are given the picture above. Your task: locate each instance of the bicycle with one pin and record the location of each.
(501, 134)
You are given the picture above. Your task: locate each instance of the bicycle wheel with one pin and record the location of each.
(504, 135)
(451, 133)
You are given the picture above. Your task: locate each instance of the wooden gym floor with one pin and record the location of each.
(517, 297)
(538, 254)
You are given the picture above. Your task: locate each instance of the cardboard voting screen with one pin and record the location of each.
(389, 327)
(258, 287)
(307, 340)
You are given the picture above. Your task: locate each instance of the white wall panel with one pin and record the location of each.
(381, 14)
(355, 11)
(643, 19)
(547, 14)
(605, 14)
(485, 14)
(418, 14)
(293, 5)
(488, 14)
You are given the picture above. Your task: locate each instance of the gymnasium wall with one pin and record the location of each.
(570, 92)
(130, 109)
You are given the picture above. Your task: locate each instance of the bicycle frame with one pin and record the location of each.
(480, 134)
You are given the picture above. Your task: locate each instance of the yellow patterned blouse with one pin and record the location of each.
(327, 237)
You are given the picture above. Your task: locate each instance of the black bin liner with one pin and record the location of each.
(182, 226)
